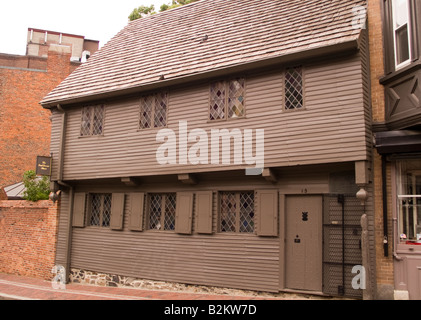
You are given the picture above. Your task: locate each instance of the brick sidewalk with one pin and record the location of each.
(14, 287)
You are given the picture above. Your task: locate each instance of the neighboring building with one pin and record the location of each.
(396, 94)
(25, 127)
(148, 188)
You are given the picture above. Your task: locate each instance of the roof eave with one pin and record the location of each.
(346, 46)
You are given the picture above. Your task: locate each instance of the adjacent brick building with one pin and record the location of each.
(24, 80)
(395, 54)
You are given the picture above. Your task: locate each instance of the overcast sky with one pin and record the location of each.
(94, 19)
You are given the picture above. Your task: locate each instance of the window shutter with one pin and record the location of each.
(136, 211)
(204, 212)
(267, 213)
(184, 213)
(117, 210)
(79, 210)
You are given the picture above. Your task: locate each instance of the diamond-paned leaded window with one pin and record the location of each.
(92, 120)
(247, 212)
(161, 211)
(153, 110)
(237, 212)
(146, 106)
(227, 99)
(160, 116)
(236, 98)
(100, 209)
(294, 97)
(228, 211)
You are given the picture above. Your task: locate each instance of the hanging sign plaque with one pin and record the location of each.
(43, 166)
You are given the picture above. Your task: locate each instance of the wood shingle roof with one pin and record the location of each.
(204, 36)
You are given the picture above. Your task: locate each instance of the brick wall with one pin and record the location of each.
(28, 234)
(24, 125)
(384, 265)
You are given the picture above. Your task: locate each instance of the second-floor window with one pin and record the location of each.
(227, 99)
(294, 95)
(153, 110)
(401, 32)
(92, 121)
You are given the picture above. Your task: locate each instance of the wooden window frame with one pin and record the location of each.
(400, 65)
(92, 121)
(162, 218)
(154, 96)
(303, 106)
(408, 202)
(238, 212)
(389, 38)
(226, 84)
(101, 210)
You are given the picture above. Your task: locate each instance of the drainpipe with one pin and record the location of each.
(384, 192)
(395, 223)
(395, 231)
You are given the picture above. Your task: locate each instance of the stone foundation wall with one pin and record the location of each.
(103, 279)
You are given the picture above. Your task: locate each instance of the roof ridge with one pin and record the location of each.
(216, 34)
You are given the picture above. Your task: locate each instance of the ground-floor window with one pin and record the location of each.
(100, 209)
(236, 212)
(161, 211)
(409, 201)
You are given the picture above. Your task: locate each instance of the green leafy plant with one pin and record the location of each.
(36, 188)
(144, 11)
(141, 12)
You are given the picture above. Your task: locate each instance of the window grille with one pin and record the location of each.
(92, 121)
(100, 210)
(409, 202)
(227, 99)
(237, 212)
(294, 97)
(98, 119)
(153, 111)
(160, 117)
(247, 212)
(162, 211)
(236, 98)
(217, 101)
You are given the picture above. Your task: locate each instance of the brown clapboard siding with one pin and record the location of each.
(221, 259)
(217, 259)
(56, 125)
(63, 229)
(332, 127)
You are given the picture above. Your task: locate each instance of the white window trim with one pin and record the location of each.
(406, 62)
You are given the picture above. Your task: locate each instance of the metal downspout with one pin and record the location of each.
(385, 224)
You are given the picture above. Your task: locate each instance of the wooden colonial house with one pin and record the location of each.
(222, 143)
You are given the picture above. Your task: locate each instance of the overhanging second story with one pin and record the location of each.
(402, 38)
(216, 86)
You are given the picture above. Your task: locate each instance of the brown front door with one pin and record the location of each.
(304, 242)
